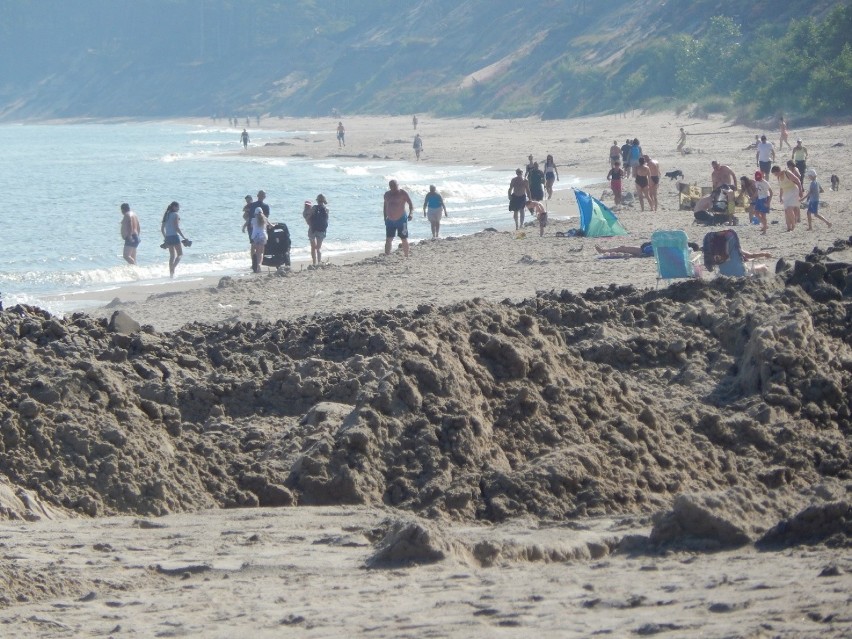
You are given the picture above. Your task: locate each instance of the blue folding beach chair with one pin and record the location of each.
(671, 250)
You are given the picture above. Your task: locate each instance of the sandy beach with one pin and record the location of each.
(500, 435)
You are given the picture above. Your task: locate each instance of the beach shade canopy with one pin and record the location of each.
(596, 220)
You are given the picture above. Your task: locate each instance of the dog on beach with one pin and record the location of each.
(674, 175)
(835, 183)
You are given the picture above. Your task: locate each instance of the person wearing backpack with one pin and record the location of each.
(317, 219)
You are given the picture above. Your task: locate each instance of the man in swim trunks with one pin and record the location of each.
(765, 155)
(722, 174)
(129, 233)
(519, 192)
(654, 168)
(625, 158)
(396, 223)
(642, 176)
(614, 153)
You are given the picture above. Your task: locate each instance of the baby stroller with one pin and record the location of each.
(277, 251)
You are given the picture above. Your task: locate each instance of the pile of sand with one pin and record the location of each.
(614, 401)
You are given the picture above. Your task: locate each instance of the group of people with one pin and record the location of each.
(528, 188)
(173, 238)
(790, 180)
(629, 159)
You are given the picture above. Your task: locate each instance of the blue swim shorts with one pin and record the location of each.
(397, 227)
(762, 205)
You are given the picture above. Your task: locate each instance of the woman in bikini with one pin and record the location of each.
(551, 174)
(642, 176)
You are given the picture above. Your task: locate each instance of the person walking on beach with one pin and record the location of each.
(812, 199)
(259, 237)
(654, 186)
(130, 232)
(765, 155)
(396, 222)
(414, 121)
(316, 217)
(762, 201)
(681, 141)
(244, 138)
(249, 211)
(551, 175)
(529, 166)
(783, 126)
(418, 145)
(172, 235)
(341, 135)
(536, 183)
(614, 176)
(800, 156)
(433, 206)
(614, 153)
(625, 158)
(519, 192)
(791, 193)
(635, 154)
(642, 177)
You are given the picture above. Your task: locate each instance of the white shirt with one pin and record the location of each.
(762, 189)
(765, 151)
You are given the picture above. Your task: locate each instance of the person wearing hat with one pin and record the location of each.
(765, 155)
(763, 199)
(812, 199)
(800, 157)
(316, 217)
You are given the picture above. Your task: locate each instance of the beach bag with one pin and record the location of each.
(319, 218)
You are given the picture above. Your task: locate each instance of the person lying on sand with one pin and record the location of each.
(643, 250)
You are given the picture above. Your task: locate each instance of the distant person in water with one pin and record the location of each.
(396, 223)
(414, 121)
(418, 145)
(172, 235)
(433, 208)
(519, 193)
(244, 138)
(341, 135)
(130, 233)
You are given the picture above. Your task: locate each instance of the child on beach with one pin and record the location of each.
(760, 206)
(614, 176)
(812, 199)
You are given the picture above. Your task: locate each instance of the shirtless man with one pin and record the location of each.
(654, 168)
(722, 174)
(519, 193)
(642, 175)
(614, 154)
(396, 223)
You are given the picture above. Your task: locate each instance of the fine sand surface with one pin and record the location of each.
(463, 443)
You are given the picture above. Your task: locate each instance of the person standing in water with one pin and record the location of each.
(316, 217)
(519, 193)
(433, 206)
(244, 138)
(396, 222)
(172, 234)
(341, 135)
(130, 232)
(259, 237)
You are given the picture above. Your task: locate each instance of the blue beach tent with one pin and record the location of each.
(596, 220)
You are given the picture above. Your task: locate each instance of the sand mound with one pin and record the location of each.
(614, 401)
(830, 523)
(409, 542)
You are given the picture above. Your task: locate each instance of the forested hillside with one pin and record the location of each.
(555, 58)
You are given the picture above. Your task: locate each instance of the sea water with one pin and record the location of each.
(64, 183)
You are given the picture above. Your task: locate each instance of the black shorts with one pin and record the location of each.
(517, 202)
